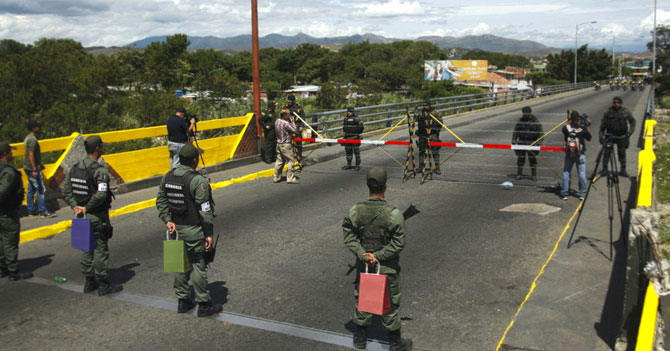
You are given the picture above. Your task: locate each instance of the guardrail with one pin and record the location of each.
(145, 163)
(382, 116)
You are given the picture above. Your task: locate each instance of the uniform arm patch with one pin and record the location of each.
(205, 206)
(102, 186)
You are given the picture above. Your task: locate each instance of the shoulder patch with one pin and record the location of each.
(203, 186)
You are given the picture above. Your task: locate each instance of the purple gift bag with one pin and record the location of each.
(82, 235)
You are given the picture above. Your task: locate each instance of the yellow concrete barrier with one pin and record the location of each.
(647, 331)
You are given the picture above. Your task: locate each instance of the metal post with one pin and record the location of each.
(576, 31)
(256, 67)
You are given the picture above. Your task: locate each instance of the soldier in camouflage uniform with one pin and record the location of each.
(185, 204)
(618, 124)
(374, 231)
(428, 129)
(268, 123)
(352, 129)
(527, 131)
(11, 196)
(87, 192)
(295, 109)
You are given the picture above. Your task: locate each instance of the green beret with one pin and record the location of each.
(618, 98)
(291, 97)
(350, 109)
(526, 109)
(378, 175)
(190, 152)
(5, 147)
(427, 102)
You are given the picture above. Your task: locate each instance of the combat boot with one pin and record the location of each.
(105, 287)
(533, 173)
(14, 276)
(360, 337)
(208, 308)
(398, 343)
(623, 172)
(185, 305)
(4, 272)
(519, 173)
(437, 171)
(91, 284)
(348, 166)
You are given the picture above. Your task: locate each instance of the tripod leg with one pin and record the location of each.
(586, 196)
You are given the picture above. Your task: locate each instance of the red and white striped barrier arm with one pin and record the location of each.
(433, 143)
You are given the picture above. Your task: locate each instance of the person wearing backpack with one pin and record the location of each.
(575, 133)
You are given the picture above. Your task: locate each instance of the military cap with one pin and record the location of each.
(427, 102)
(181, 109)
(526, 109)
(351, 109)
(618, 99)
(190, 152)
(378, 175)
(93, 141)
(33, 124)
(291, 97)
(5, 147)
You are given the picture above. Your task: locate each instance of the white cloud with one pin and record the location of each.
(501, 10)
(392, 8)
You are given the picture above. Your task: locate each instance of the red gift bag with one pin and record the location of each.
(373, 293)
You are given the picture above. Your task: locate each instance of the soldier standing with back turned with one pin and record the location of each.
(526, 131)
(352, 128)
(374, 231)
(11, 196)
(87, 192)
(185, 204)
(268, 122)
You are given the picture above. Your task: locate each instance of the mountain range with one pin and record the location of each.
(238, 43)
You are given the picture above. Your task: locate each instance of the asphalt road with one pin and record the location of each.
(465, 269)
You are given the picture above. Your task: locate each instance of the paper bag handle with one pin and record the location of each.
(167, 235)
(366, 268)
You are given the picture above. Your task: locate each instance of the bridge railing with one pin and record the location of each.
(383, 116)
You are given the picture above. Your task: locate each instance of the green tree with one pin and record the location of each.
(662, 58)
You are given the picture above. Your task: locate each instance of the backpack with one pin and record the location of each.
(573, 147)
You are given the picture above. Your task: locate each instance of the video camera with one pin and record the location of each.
(190, 116)
(584, 120)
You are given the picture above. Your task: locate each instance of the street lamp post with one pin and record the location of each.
(576, 48)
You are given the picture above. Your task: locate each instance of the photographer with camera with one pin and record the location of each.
(618, 124)
(179, 127)
(575, 133)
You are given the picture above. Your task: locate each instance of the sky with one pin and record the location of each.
(120, 22)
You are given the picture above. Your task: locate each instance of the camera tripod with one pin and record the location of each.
(612, 174)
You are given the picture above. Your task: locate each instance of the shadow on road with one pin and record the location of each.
(35, 263)
(123, 274)
(219, 292)
(612, 313)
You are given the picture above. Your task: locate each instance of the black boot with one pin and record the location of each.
(348, 166)
(208, 308)
(398, 343)
(437, 171)
(105, 287)
(519, 173)
(360, 337)
(533, 172)
(185, 305)
(90, 285)
(623, 172)
(4, 272)
(14, 276)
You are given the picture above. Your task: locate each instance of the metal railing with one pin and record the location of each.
(383, 116)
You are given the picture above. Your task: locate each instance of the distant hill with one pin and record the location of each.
(486, 42)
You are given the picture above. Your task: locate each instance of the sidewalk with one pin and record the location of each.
(577, 302)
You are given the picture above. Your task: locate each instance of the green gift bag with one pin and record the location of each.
(175, 259)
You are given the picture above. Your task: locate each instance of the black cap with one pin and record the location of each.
(351, 109)
(617, 98)
(5, 147)
(93, 141)
(33, 124)
(526, 109)
(291, 97)
(377, 175)
(190, 152)
(181, 109)
(574, 115)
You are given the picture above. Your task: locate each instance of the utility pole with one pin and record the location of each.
(576, 48)
(256, 69)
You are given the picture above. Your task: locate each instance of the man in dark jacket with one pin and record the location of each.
(616, 127)
(352, 128)
(268, 123)
(526, 132)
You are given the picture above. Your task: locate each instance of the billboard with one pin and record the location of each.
(455, 70)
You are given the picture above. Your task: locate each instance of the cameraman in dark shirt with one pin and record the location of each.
(178, 128)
